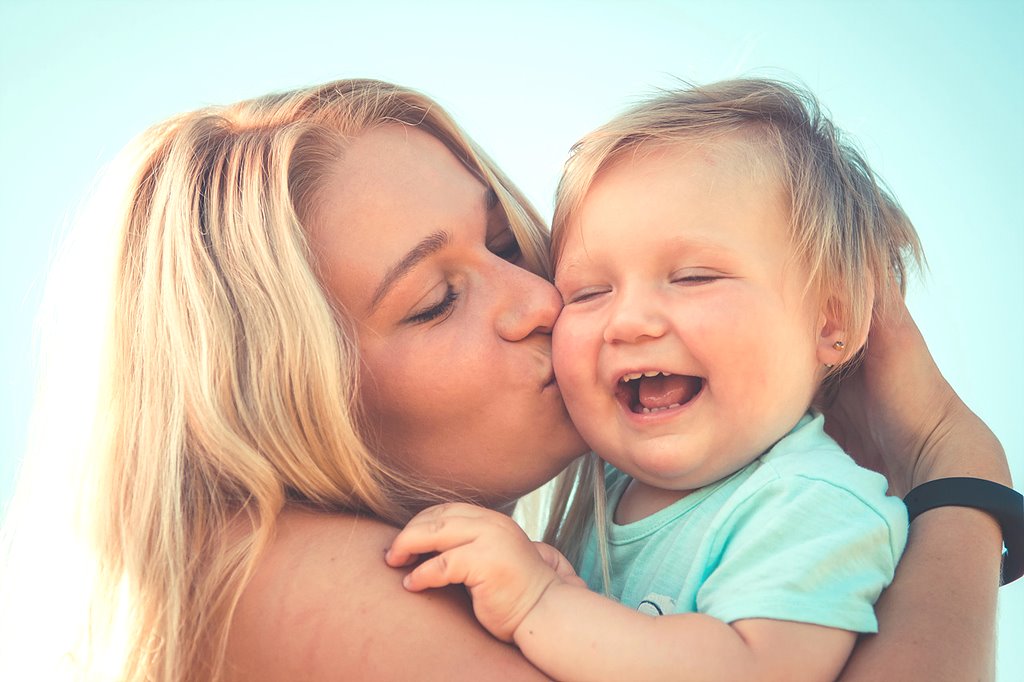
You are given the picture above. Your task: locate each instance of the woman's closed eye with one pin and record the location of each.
(437, 310)
(505, 246)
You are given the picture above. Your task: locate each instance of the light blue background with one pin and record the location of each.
(933, 91)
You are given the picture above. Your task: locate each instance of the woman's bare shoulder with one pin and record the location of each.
(323, 605)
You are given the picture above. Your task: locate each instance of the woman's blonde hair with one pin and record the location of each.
(845, 225)
(230, 383)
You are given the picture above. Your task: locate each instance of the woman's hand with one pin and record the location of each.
(505, 572)
(896, 413)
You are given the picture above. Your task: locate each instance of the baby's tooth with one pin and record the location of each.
(651, 374)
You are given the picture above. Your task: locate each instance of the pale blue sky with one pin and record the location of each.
(932, 90)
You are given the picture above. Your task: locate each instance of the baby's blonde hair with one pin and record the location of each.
(854, 238)
(845, 224)
(230, 382)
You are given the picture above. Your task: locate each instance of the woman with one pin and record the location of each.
(327, 315)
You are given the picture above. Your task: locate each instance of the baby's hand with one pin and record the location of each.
(557, 561)
(505, 572)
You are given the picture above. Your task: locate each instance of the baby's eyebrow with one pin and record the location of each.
(567, 268)
(430, 244)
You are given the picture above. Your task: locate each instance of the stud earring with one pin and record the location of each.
(839, 346)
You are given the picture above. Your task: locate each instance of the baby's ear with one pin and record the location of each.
(837, 341)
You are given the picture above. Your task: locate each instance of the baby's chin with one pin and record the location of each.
(678, 461)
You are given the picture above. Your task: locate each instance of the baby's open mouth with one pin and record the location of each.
(656, 391)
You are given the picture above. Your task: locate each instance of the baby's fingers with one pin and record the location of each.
(447, 568)
(428, 533)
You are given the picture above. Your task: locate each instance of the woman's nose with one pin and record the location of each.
(531, 305)
(633, 316)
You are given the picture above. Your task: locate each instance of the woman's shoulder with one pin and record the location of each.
(319, 537)
(322, 604)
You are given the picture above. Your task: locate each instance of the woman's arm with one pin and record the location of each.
(937, 619)
(323, 606)
(898, 415)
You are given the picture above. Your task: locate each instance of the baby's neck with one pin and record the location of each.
(640, 500)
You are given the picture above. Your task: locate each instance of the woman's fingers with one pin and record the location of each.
(898, 415)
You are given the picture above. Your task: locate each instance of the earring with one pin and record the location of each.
(838, 345)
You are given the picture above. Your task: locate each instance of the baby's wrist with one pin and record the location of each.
(537, 617)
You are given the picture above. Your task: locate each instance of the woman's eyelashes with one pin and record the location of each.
(442, 308)
(511, 253)
(503, 243)
(505, 246)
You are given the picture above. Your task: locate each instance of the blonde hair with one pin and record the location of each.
(230, 382)
(845, 225)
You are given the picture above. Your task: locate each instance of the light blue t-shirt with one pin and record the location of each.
(801, 534)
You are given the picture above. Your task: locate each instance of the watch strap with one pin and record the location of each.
(1006, 505)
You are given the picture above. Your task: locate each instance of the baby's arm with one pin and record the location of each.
(575, 635)
(571, 633)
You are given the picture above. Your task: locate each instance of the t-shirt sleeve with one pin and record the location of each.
(804, 550)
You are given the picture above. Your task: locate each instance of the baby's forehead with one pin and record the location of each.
(744, 157)
(750, 154)
(753, 149)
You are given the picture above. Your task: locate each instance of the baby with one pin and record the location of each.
(719, 251)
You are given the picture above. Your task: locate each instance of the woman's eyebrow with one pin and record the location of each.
(432, 243)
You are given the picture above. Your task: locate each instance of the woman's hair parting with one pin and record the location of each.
(230, 380)
(845, 225)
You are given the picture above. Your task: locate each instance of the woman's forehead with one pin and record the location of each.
(399, 172)
(393, 188)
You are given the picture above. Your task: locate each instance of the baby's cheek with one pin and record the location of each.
(569, 347)
(574, 355)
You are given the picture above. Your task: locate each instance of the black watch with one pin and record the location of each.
(1006, 505)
